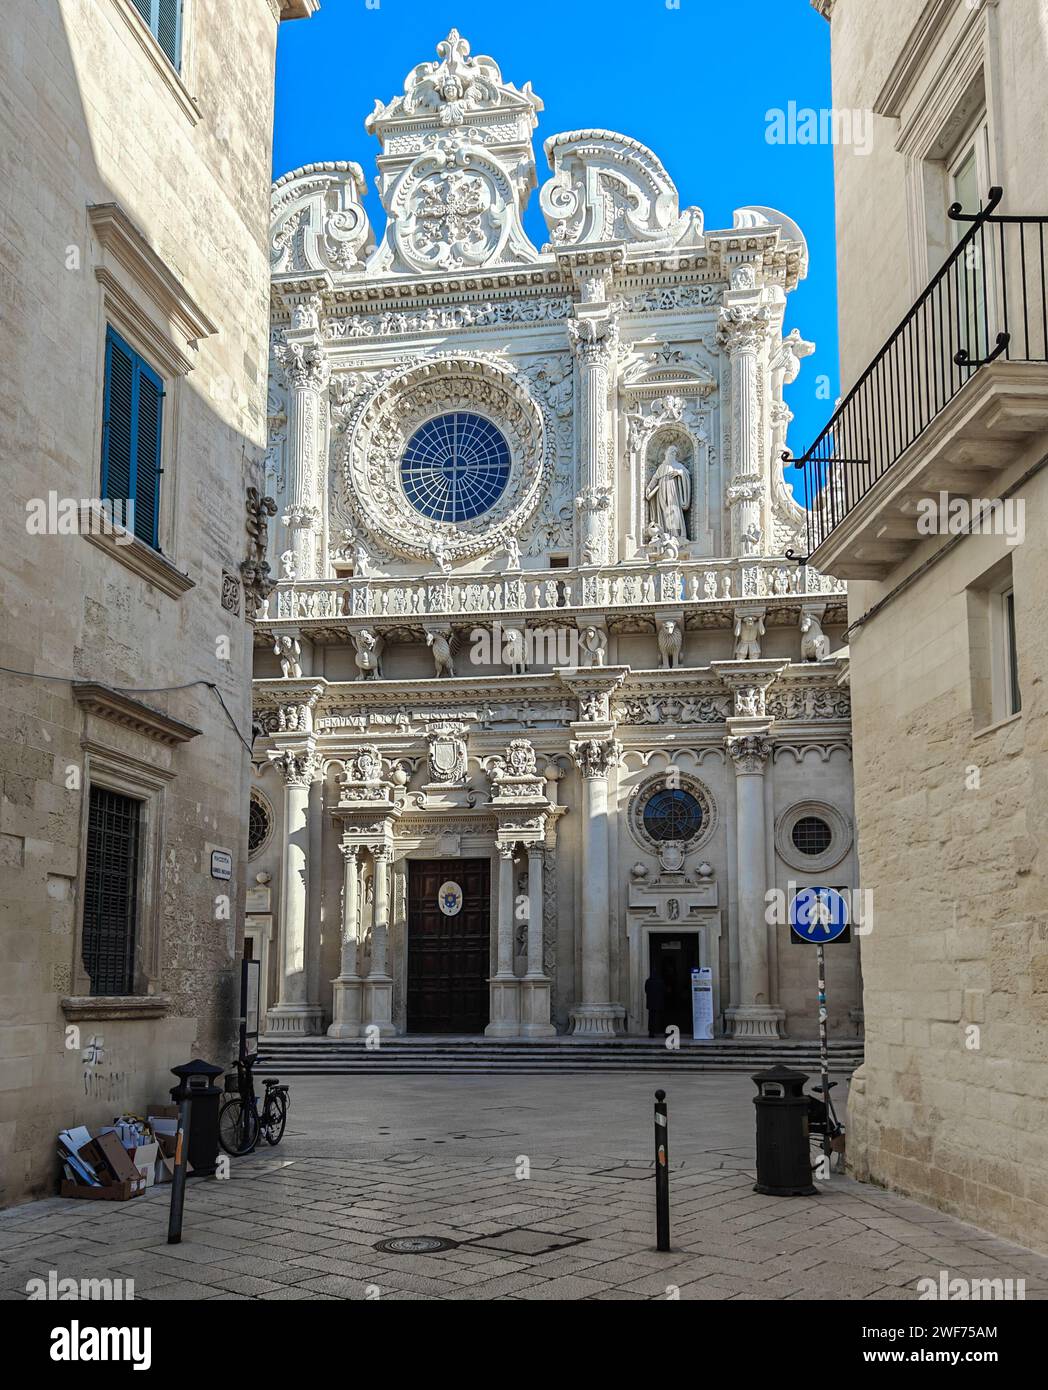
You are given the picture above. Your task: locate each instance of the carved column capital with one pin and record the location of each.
(743, 327)
(306, 365)
(594, 339)
(300, 767)
(595, 757)
(749, 752)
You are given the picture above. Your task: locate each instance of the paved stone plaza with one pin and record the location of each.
(366, 1159)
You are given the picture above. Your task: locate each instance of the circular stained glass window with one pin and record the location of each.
(673, 814)
(811, 835)
(455, 467)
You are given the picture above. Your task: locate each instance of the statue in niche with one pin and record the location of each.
(815, 645)
(593, 647)
(749, 629)
(288, 649)
(669, 494)
(367, 656)
(288, 569)
(441, 648)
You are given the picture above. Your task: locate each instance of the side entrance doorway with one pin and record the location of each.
(673, 958)
(449, 945)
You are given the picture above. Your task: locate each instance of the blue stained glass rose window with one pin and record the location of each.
(673, 814)
(455, 467)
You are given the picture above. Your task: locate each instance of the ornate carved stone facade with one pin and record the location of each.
(535, 535)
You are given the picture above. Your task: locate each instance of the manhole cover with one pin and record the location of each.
(414, 1245)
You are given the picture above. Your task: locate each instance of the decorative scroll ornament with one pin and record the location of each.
(749, 752)
(318, 222)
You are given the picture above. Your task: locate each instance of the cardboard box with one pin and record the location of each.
(144, 1157)
(115, 1192)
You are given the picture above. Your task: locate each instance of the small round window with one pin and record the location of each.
(673, 814)
(455, 467)
(811, 835)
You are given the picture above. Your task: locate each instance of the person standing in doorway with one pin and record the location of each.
(655, 997)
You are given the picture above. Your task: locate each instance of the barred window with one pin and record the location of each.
(811, 835)
(111, 891)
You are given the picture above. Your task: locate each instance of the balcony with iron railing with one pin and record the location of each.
(947, 405)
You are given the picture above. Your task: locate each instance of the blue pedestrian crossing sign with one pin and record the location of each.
(818, 915)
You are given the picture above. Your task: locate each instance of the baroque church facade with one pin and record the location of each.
(542, 706)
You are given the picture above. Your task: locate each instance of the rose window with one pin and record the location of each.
(455, 467)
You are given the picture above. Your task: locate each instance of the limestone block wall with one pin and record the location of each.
(91, 116)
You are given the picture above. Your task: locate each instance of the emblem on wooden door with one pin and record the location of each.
(449, 898)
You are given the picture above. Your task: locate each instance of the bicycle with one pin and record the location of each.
(823, 1123)
(240, 1125)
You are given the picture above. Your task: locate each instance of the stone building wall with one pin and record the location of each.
(134, 195)
(952, 1102)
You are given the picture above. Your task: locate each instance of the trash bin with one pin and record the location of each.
(783, 1150)
(196, 1084)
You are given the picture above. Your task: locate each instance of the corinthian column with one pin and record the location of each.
(293, 1013)
(535, 987)
(504, 987)
(596, 1014)
(741, 330)
(347, 988)
(306, 369)
(378, 987)
(751, 1015)
(594, 339)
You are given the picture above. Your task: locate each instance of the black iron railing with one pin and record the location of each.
(989, 300)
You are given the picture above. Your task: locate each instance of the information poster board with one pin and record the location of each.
(702, 1004)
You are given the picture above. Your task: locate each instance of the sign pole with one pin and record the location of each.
(824, 1047)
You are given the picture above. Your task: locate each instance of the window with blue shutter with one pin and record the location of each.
(132, 414)
(164, 18)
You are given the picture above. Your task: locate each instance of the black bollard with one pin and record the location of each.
(662, 1172)
(178, 1177)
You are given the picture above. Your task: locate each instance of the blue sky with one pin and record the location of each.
(694, 83)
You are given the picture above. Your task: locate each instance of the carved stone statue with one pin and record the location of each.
(815, 645)
(441, 653)
(669, 494)
(368, 656)
(288, 649)
(593, 647)
(287, 565)
(361, 561)
(438, 553)
(512, 553)
(749, 629)
(671, 640)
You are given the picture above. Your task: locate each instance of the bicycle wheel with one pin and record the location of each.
(237, 1127)
(275, 1118)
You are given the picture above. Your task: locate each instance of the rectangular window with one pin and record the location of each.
(164, 18)
(131, 437)
(111, 891)
(994, 647)
(1011, 693)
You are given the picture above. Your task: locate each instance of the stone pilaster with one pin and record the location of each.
(294, 1013)
(348, 985)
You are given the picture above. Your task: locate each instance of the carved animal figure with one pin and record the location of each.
(441, 649)
(671, 640)
(367, 656)
(815, 645)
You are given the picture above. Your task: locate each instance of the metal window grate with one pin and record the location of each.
(811, 835)
(111, 891)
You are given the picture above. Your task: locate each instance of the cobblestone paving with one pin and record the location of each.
(302, 1221)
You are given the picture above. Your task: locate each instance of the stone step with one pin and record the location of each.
(420, 1057)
